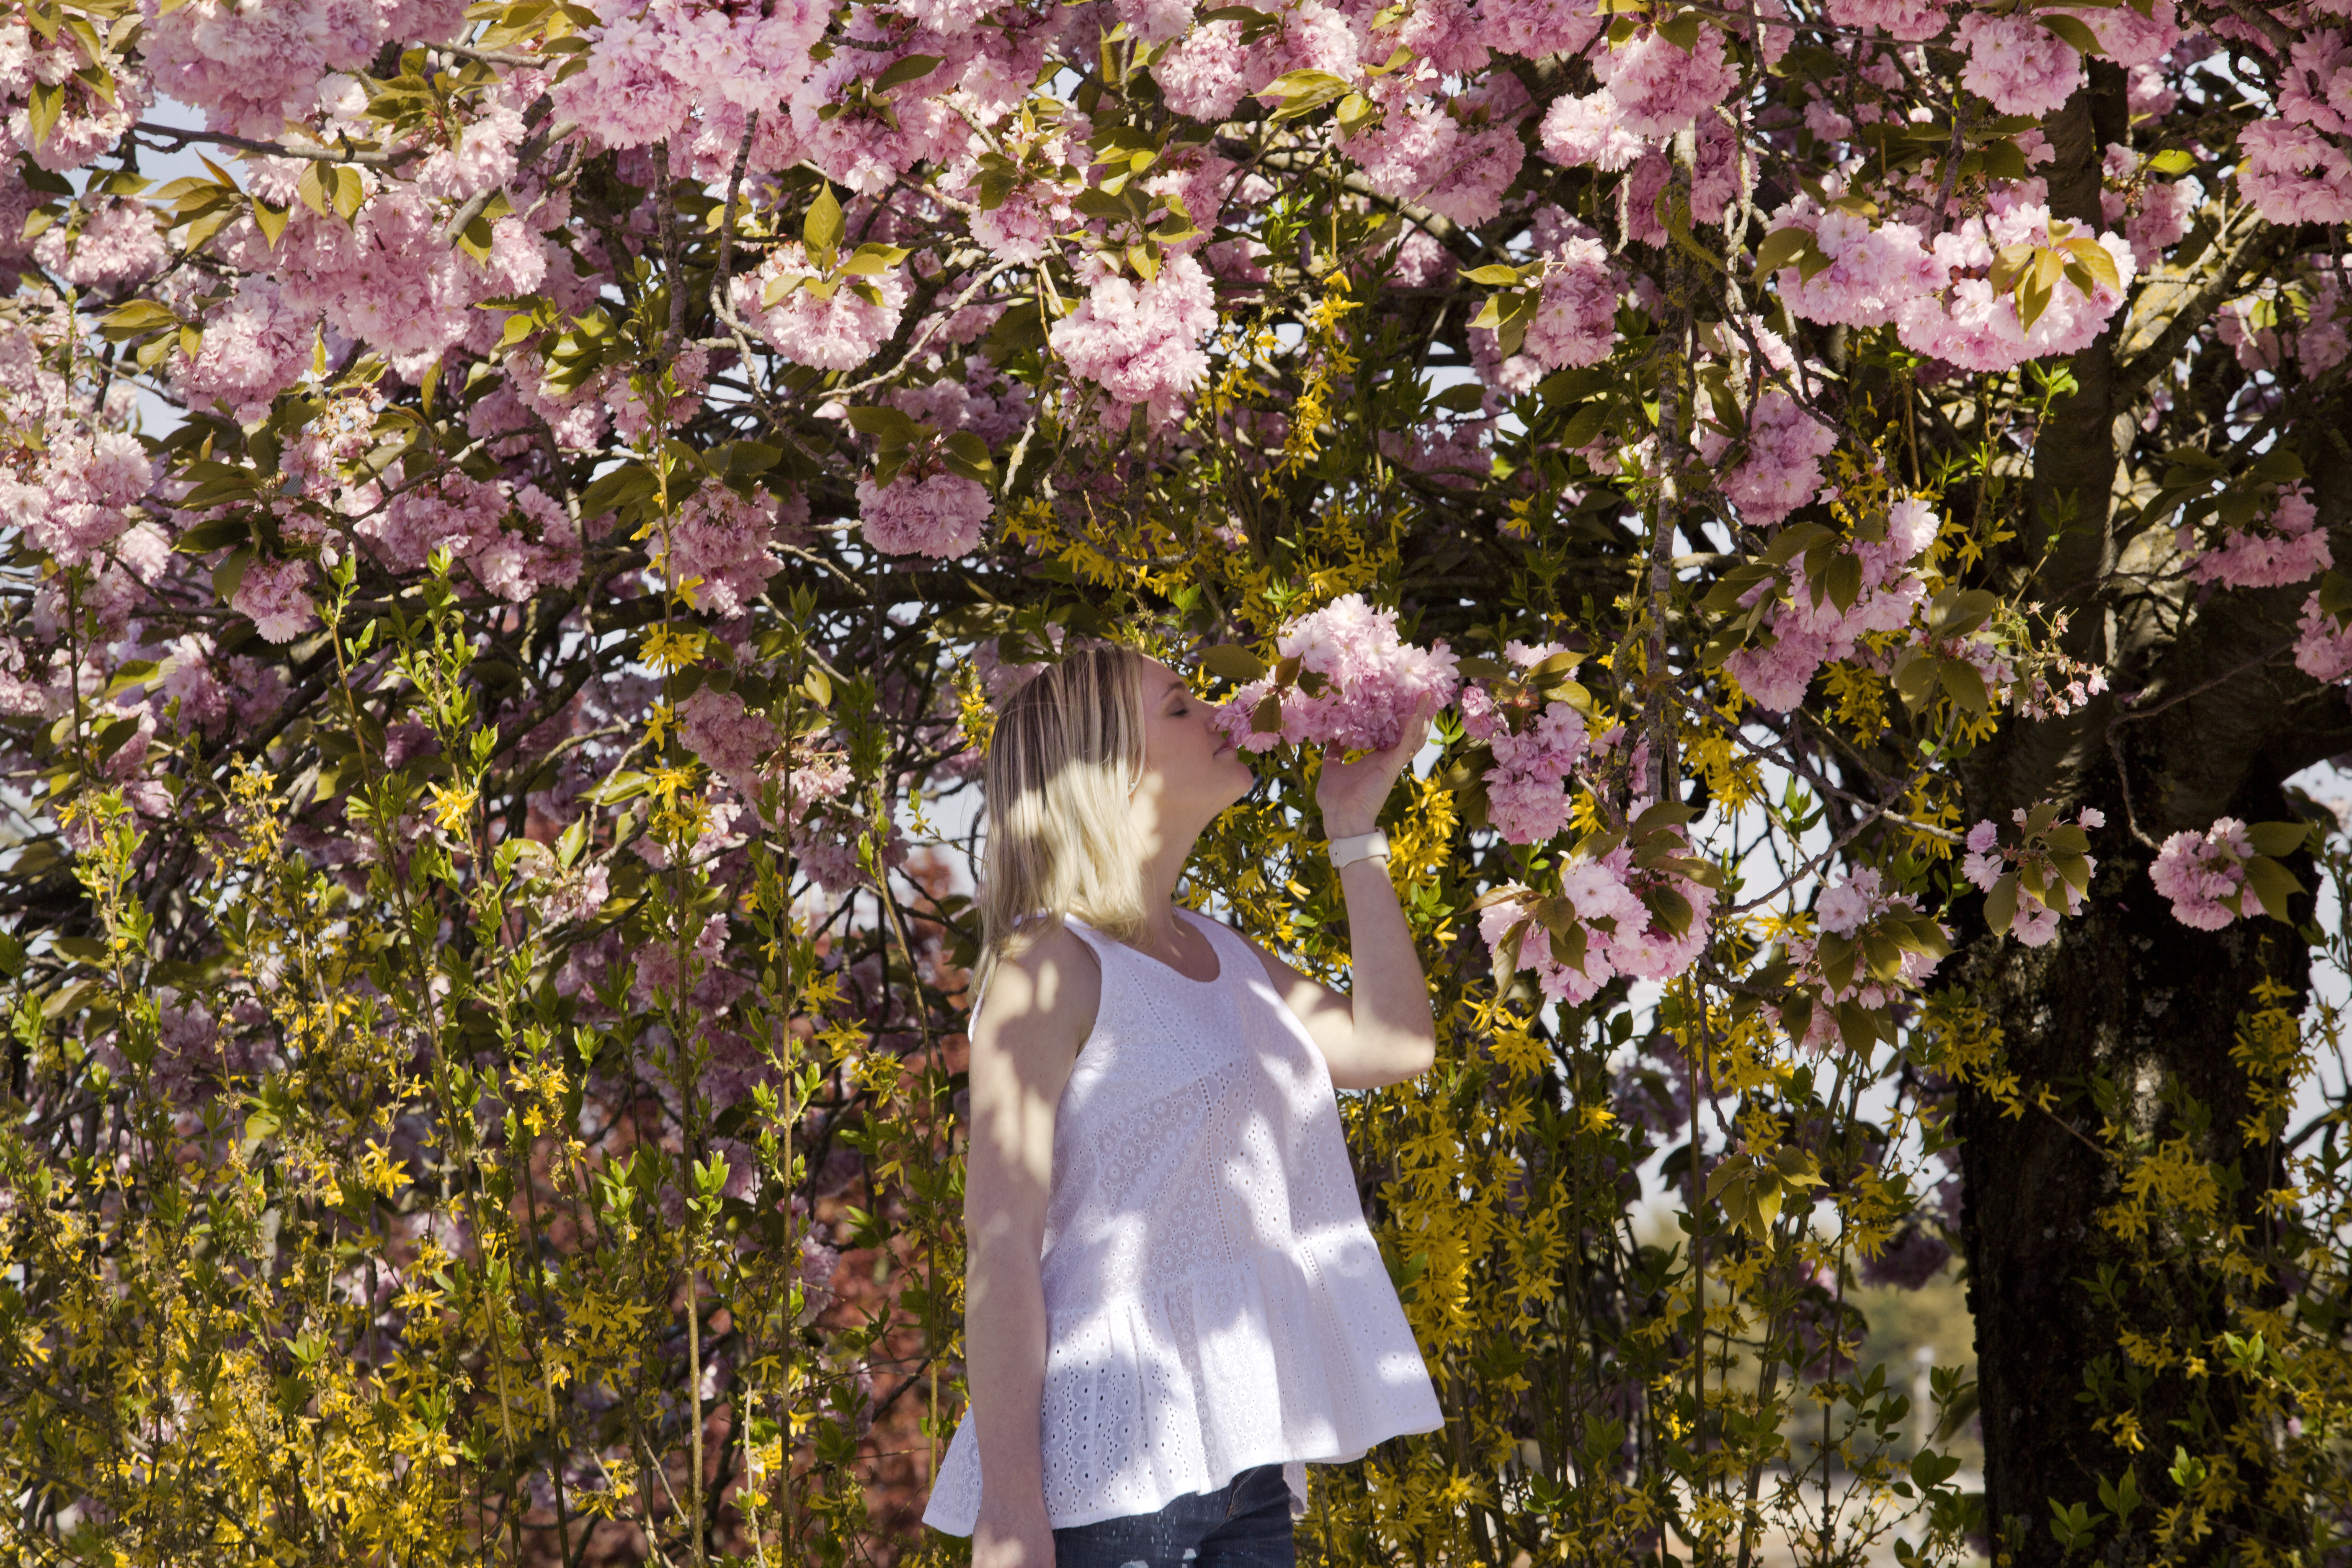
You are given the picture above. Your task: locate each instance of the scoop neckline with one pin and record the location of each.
(1202, 921)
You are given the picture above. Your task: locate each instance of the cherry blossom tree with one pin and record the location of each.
(519, 512)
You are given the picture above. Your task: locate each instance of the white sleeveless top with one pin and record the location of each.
(1214, 1300)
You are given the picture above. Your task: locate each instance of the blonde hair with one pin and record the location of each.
(1065, 755)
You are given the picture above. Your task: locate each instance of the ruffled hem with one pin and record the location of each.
(1303, 1357)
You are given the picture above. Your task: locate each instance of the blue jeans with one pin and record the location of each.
(1244, 1523)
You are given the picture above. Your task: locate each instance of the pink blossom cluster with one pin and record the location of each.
(1912, 21)
(1141, 342)
(2035, 923)
(1941, 297)
(1861, 899)
(2323, 645)
(652, 66)
(2287, 546)
(722, 547)
(839, 332)
(1622, 935)
(2294, 167)
(513, 539)
(2155, 213)
(1660, 88)
(274, 596)
(2018, 64)
(1576, 322)
(941, 515)
(1780, 469)
(2204, 874)
(81, 495)
(732, 741)
(115, 240)
(2272, 328)
(1806, 635)
(90, 123)
(1977, 329)
(252, 67)
(1528, 798)
(1368, 681)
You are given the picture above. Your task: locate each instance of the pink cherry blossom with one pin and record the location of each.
(722, 549)
(1660, 87)
(119, 242)
(2322, 646)
(271, 592)
(940, 516)
(2288, 546)
(1366, 680)
(2292, 174)
(2022, 67)
(1589, 129)
(1141, 342)
(2204, 874)
(1910, 20)
(831, 325)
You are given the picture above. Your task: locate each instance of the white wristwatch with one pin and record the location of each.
(1359, 846)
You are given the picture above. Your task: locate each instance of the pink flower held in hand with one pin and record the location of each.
(1356, 681)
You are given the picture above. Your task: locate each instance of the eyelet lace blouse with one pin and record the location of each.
(1214, 1300)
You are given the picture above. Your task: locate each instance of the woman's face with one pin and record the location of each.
(1191, 771)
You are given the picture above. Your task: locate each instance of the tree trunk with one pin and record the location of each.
(2127, 1005)
(2129, 996)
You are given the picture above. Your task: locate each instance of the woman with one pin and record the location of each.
(1172, 1301)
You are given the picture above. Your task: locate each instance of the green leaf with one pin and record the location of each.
(137, 316)
(971, 450)
(2278, 837)
(1303, 92)
(1781, 248)
(2274, 884)
(1228, 661)
(914, 67)
(1964, 683)
(1681, 30)
(271, 221)
(2279, 465)
(872, 260)
(1930, 1468)
(2072, 33)
(1836, 954)
(881, 421)
(1842, 580)
(43, 109)
(2172, 161)
(230, 573)
(821, 229)
(1493, 273)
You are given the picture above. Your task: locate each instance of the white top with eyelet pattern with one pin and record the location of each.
(1213, 1299)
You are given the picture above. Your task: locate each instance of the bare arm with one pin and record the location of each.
(1039, 1009)
(1382, 1032)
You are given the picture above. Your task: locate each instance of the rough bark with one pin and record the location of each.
(2209, 721)
(2129, 995)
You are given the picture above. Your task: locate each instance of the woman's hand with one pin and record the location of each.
(1351, 793)
(1015, 1538)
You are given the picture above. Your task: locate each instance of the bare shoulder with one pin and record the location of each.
(1040, 1002)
